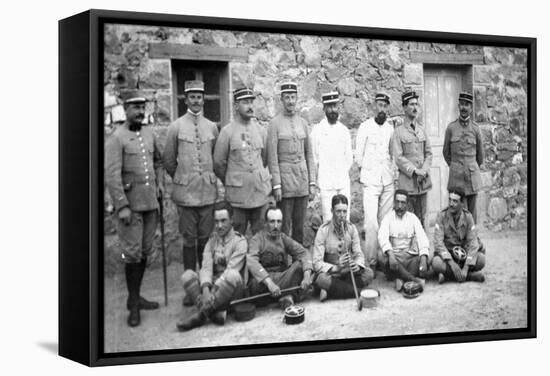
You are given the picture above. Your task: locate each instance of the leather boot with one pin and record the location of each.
(189, 258)
(144, 303)
(132, 282)
(475, 277)
(197, 319)
(200, 249)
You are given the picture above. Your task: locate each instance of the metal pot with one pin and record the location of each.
(294, 314)
(370, 298)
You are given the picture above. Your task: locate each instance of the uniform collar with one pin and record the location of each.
(451, 219)
(194, 114)
(227, 237)
(465, 122)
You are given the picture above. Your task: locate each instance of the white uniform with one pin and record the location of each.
(332, 154)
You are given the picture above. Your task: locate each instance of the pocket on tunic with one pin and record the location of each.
(286, 144)
(234, 179)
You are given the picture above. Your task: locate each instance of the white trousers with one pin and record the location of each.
(377, 202)
(326, 201)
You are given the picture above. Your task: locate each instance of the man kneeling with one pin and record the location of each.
(458, 252)
(268, 261)
(221, 274)
(404, 244)
(337, 253)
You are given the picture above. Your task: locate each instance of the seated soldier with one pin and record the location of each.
(337, 253)
(458, 252)
(221, 273)
(404, 246)
(268, 261)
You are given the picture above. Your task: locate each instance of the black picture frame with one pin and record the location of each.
(81, 179)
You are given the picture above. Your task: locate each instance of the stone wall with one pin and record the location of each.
(357, 68)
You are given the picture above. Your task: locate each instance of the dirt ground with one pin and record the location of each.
(499, 303)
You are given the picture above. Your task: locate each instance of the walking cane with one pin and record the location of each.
(161, 206)
(359, 302)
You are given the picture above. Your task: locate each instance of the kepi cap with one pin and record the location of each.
(330, 97)
(289, 87)
(465, 96)
(382, 97)
(243, 93)
(408, 95)
(133, 96)
(194, 85)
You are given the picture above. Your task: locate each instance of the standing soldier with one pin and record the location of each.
(463, 152)
(188, 160)
(290, 161)
(413, 156)
(132, 175)
(332, 154)
(239, 161)
(374, 157)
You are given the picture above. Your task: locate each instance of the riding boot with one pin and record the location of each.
(132, 282)
(144, 303)
(189, 257)
(201, 243)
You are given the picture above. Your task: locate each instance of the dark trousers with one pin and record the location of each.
(470, 202)
(408, 269)
(290, 277)
(340, 286)
(195, 222)
(243, 216)
(417, 205)
(294, 213)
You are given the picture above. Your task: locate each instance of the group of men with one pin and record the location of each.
(293, 164)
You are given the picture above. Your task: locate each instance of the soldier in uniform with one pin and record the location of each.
(240, 161)
(290, 161)
(373, 154)
(133, 169)
(188, 160)
(220, 279)
(337, 253)
(463, 152)
(268, 260)
(413, 156)
(458, 252)
(332, 154)
(399, 231)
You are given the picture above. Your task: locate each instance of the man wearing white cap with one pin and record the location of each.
(290, 161)
(240, 161)
(188, 160)
(374, 157)
(133, 168)
(332, 154)
(463, 152)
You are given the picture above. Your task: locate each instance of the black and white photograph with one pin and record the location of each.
(267, 188)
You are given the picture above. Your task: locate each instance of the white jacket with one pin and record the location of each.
(332, 154)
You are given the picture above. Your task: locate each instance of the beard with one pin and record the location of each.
(332, 117)
(380, 118)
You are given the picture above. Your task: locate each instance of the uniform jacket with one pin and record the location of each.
(188, 160)
(447, 234)
(463, 152)
(223, 254)
(132, 161)
(397, 234)
(412, 151)
(328, 247)
(373, 153)
(267, 254)
(332, 154)
(289, 155)
(239, 161)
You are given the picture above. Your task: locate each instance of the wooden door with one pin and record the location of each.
(441, 88)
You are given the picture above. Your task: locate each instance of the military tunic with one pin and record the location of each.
(239, 161)
(463, 152)
(132, 159)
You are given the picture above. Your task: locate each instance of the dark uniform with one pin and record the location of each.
(329, 245)
(132, 166)
(188, 160)
(290, 160)
(239, 161)
(223, 269)
(450, 232)
(268, 256)
(463, 152)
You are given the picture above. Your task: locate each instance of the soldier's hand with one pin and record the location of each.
(343, 261)
(273, 288)
(207, 299)
(457, 272)
(277, 194)
(160, 191)
(306, 282)
(354, 267)
(392, 261)
(423, 268)
(125, 215)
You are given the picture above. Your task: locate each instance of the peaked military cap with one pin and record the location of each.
(408, 95)
(133, 96)
(194, 85)
(289, 87)
(243, 93)
(465, 96)
(330, 97)
(382, 97)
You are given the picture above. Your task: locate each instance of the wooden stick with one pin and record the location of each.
(265, 294)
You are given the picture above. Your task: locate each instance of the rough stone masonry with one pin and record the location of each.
(357, 68)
